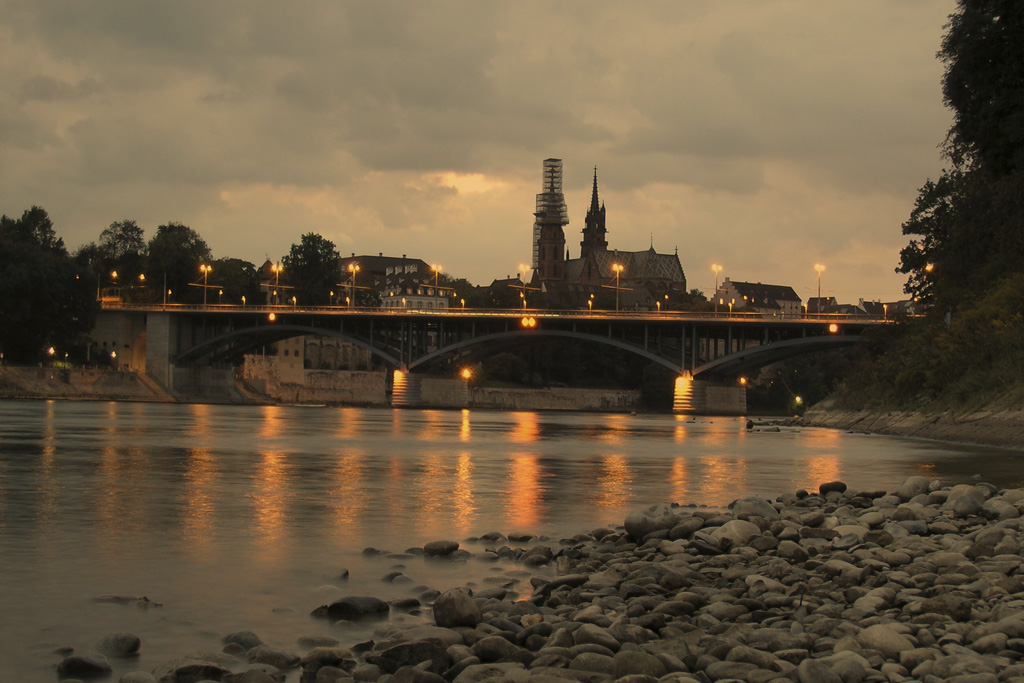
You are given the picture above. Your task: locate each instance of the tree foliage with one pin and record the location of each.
(175, 253)
(312, 270)
(966, 227)
(44, 300)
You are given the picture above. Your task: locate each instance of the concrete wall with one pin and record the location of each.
(122, 333)
(264, 375)
(436, 392)
(607, 400)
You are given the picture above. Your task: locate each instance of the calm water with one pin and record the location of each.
(242, 518)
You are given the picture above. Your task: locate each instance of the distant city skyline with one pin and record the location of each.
(765, 137)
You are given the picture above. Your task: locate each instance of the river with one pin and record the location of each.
(245, 518)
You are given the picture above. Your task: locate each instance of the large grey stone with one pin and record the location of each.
(357, 607)
(745, 508)
(456, 608)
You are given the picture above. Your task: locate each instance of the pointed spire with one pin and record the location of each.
(594, 206)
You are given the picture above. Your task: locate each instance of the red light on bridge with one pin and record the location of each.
(528, 322)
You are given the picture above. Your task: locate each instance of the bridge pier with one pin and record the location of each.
(700, 397)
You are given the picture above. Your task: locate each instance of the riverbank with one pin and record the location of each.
(925, 583)
(95, 384)
(989, 426)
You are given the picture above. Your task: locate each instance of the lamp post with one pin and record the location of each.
(352, 268)
(437, 271)
(617, 267)
(205, 270)
(276, 268)
(820, 268)
(590, 305)
(718, 269)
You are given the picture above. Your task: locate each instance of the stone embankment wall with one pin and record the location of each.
(261, 374)
(555, 398)
(996, 427)
(93, 383)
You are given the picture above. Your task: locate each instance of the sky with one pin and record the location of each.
(763, 136)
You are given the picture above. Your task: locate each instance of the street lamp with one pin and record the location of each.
(820, 268)
(352, 268)
(220, 294)
(205, 270)
(617, 267)
(718, 269)
(243, 300)
(276, 269)
(437, 270)
(463, 303)
(590, 304)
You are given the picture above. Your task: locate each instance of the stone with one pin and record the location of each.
(120, 645)
(885, 638)
(84, 667)
(319, 657)
(813, 671)
(264, 654)
(190, 669)
(247, 639)
(737, 531)
(634, 662)
(655, 518)
(504, 671)
(744, 508)
(912, 486)
(440, 548)
(136, 677)
(393, 658)
(357, 607)
(456, 608)
(832, 486)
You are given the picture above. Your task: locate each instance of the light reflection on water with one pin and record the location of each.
(236, 517)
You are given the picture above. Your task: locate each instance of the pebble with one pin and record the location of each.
(922, 584)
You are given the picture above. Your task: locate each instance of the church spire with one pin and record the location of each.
(594, 229)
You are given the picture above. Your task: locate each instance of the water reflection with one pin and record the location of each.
(270, 503)
(527, 428)
(524, 497)
(462, 494)
(680, 480)
(464, 428)
(349, 490)
(614, 482)
(200, 499)
(820, 469)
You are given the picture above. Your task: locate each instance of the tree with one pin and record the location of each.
(312, 268)
(44, 300)
(967, 224)
(235, 278)
(983, 51)
(175, 253)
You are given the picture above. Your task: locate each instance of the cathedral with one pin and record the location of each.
(643, 279)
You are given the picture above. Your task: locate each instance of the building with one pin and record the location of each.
(641, 279)
(550, 217)
(754, 297)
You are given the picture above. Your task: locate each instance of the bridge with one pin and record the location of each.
(707, 347)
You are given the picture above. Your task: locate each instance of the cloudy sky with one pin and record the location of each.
(765, 136)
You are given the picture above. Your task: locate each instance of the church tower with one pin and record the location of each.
(594, 231)
(549, 219)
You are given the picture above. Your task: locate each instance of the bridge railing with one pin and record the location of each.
(495, 312)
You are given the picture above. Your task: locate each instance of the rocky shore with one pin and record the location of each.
(993, 426)
(835, 586)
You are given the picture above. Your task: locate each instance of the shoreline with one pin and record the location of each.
(925, 583)
(996, 427)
